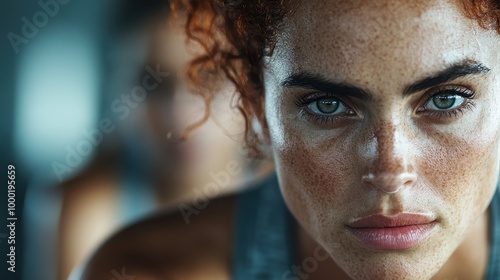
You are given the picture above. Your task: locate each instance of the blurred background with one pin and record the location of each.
(93, 97)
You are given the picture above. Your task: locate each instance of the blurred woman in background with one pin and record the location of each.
(139, 168)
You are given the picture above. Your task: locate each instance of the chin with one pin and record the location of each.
(386, 266)
(422, 261)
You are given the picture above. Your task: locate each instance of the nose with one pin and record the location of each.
(390, 165)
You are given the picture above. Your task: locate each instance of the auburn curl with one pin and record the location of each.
(236, 35)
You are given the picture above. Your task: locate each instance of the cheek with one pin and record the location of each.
(461, 162)
(462, 167)
(311, 168)
(318, 177)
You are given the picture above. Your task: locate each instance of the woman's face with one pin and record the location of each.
(378, 109)
(213, 145)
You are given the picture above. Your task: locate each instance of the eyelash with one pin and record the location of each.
(464, 92)
(303, 101)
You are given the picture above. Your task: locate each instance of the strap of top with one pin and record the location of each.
(264, 247)
(494, 259)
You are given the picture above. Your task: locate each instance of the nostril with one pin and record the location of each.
(389, 183)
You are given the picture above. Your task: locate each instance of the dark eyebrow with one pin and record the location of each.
(454, 72)
(319, 83)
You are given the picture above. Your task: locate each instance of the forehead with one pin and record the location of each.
(369, 38)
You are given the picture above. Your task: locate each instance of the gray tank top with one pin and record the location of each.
(264, 241)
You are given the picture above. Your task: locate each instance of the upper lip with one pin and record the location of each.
(382, 221)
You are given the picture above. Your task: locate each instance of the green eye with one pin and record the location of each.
(327, 106)
(445, 101)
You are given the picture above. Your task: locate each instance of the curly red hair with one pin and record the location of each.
(249, 28)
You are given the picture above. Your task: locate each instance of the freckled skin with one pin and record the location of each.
(389, 158)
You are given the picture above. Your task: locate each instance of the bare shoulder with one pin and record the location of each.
(189, 241)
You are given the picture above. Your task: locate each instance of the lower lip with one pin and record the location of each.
(392, 238)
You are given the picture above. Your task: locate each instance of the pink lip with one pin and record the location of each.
(398, 232)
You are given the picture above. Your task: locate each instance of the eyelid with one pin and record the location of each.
(458, 89)
(307, 99)
(466, 92)
(303, 102)
(461, 90)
